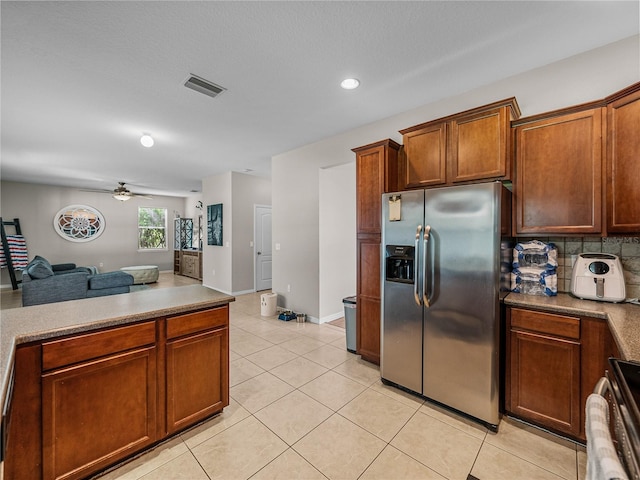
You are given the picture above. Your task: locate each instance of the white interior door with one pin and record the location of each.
(263, 247)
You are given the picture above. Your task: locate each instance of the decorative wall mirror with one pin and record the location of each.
(79, 223)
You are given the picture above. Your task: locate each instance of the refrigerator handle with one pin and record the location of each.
(425, 283)
(416, 283)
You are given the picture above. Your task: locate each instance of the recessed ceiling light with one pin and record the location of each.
(146, 140)
(350, 83)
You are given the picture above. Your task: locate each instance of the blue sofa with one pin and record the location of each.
(46, 283)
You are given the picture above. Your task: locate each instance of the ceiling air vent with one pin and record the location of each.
(203, 86)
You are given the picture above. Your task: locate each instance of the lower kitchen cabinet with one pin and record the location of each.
(99, 394)
(197, 366)
(84, 402)
(98, 412)
(553, 362)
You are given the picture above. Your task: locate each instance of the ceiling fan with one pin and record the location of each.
(121, 193)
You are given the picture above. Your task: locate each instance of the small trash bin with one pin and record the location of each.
(268, 303)
(350, 322)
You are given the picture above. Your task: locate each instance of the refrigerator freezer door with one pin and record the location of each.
(461, 324)
(401, 336)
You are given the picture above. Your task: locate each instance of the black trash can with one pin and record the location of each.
(350, 322)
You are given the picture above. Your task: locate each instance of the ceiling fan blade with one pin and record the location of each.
(93, 190)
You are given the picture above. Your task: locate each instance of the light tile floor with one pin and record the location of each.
(302, 407)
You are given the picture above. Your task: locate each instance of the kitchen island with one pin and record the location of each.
(89, 382)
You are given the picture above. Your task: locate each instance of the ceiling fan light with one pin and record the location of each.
(123, 197)
(146, 140)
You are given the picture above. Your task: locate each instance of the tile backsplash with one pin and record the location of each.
(627, 248)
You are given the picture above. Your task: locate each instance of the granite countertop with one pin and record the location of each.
(41, 322)
(623, 318)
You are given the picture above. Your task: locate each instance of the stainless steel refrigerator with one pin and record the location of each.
(445, 262)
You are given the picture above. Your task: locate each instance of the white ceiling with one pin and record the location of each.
(82, 80)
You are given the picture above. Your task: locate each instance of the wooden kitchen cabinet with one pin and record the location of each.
(544, 369)
(424, 156)
(99, 394)
(377, 170)
(471, 146)
(368, 299)
(197, 367)
(553, 362)
(83, 402)
(559, 170)
(376, 173)
(623, 160)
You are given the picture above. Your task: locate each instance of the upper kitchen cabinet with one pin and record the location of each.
(424, 160)
(623, 161)
(376, 173)
(558, 187)
(466, 147)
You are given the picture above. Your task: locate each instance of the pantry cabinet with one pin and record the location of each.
(471, 146)
(377, 172)
(559, 171)
(623, 160)
(553, 362)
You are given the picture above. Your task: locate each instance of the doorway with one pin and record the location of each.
(263, 259)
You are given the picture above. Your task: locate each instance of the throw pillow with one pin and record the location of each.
(38, 268)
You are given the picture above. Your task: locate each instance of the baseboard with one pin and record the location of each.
(332, 317)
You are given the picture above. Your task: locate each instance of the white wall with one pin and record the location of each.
(36, 205)
(248, 191)
(295, 174)
(337, 219)
(216, 260)
(230, 268)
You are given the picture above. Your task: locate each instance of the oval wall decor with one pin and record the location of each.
(79, 223)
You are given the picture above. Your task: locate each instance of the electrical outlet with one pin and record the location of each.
(288, 288)
(251, 244)
(277, 246)
(213, 272)
(101, 264)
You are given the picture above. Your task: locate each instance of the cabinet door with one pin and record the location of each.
(545, 381)
(368, 299)
(425, 156)
(197, 378)
(597, 346)
(623, 161)
(479, 147)
(559, 174)
(369, 188)
(98, 412)
(543, 369)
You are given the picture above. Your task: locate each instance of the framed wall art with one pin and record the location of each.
(214, 224)
(78, 223)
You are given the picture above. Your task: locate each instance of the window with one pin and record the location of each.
(152, 228)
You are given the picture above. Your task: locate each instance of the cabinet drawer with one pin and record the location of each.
(197, 322)
(80, 348)
(549, 323)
